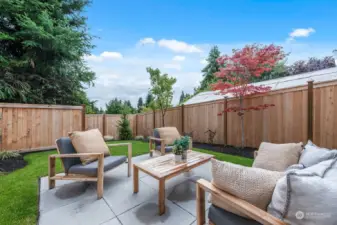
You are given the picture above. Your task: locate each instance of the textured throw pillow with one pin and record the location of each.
(313, 154)
(307, 196)
(90, 141)
(277, 157)
(169, 134)
(253, 185)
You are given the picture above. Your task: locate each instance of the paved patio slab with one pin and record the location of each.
(76, 202)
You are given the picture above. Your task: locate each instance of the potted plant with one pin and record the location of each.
(180, 147)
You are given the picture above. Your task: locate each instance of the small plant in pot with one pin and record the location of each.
(180, 147)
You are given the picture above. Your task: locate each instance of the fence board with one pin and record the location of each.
(35, 128)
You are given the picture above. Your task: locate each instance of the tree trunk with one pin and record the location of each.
(163, 119)
(242, 123)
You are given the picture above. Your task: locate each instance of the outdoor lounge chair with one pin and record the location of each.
(75, 170)
(163, 139)
(218, 215)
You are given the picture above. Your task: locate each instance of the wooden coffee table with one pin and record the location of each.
(164, 167)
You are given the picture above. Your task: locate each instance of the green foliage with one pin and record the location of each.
(9, 155)
(124, 129)
(116, 106)
(140, 104)
(42, 44)
(162, 90)
(278, 71)
(209, 70)
(184, 97)
(181, 144)
(149, 99)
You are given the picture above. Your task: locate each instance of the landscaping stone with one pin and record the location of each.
(76, 202)
(88, 211)
(108, 138)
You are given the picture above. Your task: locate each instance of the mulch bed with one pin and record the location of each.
(247, 152)
(9, 165)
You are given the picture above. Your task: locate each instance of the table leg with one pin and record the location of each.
(161, 196)
(135, 179)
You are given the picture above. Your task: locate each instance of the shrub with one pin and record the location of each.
(9, 155)
(124, 129)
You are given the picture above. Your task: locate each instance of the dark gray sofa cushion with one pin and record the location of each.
(167, 148)
(220, 216)
(66, 147)
(91, 168)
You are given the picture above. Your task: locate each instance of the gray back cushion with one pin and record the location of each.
(307, 196)
(66, 147)
(313, 154)
(156, 135)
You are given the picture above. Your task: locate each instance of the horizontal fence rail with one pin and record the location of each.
(299, 114)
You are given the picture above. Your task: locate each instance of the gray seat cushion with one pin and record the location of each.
(65, 146)
(220, 216)
(90, 169)
(167, 148)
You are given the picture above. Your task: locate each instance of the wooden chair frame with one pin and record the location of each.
(236, 203)
(52, 177)
(162, 145)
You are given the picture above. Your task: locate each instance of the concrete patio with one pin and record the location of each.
(76, 202)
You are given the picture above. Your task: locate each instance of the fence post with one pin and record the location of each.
(310, 109)
(104, 126)
(182, 119)
(225, 122)
(83, 117)
(154, 119)
(136, 124)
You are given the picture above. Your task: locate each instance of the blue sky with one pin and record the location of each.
(175, 36)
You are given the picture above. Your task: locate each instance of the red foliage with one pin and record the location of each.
(235, 76)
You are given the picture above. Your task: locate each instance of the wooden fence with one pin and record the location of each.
(28, 127)
(300, 113)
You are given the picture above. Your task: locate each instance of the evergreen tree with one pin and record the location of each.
(209, 70)
(124, 130)
(140, 104)
(42, 44)
(149, 99)
(182, 97)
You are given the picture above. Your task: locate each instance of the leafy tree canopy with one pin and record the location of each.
(162, 90)
(42, 44)
(116, 106)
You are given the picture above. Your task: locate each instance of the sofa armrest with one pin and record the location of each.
(156, 139)
(75, 155)
(237, 204)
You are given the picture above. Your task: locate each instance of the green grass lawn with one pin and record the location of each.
(19, 190)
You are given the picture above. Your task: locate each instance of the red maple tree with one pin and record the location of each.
(237, 71)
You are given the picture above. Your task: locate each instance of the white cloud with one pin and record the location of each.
(112, 55)
(300, 32)
(147, 40)
(179, 58)
(103, 56)
(172, 66)
(179, 46)
(203, 61)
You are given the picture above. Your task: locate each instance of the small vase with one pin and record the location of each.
(184, 155)
(178, 158)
